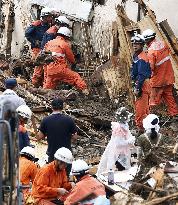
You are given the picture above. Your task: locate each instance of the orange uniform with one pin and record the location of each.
(37, 78)
(60, 70)
(46, 184)
(27, 171)
(162, 76)
(86, 186)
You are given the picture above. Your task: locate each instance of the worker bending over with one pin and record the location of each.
(51, 181)
(34, 34)
(87, 190)
(27, 170)
(152, 139)
(60, 70)
(140, 74)
(162, 78)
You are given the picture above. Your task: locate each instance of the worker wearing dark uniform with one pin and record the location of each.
(58, 128)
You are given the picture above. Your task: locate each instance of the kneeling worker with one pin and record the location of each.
(51, 181)
(87, 190)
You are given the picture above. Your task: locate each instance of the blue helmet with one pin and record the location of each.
(10, 83)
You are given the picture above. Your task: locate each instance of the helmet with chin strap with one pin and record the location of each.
(138, 39)
(63, 154)
(64, 31)
(62, 20)
(24, 111)
(148, 34)
(79, 167)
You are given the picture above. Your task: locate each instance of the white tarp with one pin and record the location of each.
(75, 8)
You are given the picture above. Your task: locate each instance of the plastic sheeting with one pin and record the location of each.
(75, 8)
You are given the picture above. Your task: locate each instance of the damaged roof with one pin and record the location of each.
(75, 8)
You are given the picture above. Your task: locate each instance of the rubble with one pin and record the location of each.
(110, 88)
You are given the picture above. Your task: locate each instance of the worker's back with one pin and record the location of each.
(10, 95)
(27, 170)
(59, 129)
(84, 188)
(159, 58)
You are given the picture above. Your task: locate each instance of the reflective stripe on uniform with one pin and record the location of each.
(58, 54)
(163, 60)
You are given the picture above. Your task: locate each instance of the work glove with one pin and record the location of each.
(133, 84)
(73, 66)
(49, 59)
(131, 140)
(37, 43)
(62, 191)
(72, 184)
(85, 91)
(138, 93)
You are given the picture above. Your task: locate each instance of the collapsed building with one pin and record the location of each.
(102, 38)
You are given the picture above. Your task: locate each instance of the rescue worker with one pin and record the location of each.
(151, 139)
(24, 114)
(60, 70)
(34, 34)
(51, 33)
(10, 95)
(87, 190)
(59, 129)
(140, 74)
(51, 181)
(162, 78)
(27, 169)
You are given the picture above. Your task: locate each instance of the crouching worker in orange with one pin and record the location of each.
(51, 181)
(140, 74)
(87, 190)
(60, 70)
(27, 170)
(162, 78)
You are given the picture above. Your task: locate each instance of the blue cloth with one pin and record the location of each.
(140, 71)
(47, 37)
(10, 82)
(35, 32)
(59, 129)
(24, 140)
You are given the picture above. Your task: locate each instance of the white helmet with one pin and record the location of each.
(29, 151)
(138, 39)
(151, 121)
(148, 34)
(79, 167)
(24, 111)
(65, 155)
(62, 20)
(46, 12)
(65, 31)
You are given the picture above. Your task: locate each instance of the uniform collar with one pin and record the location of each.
(9, 91)
(149, 45)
